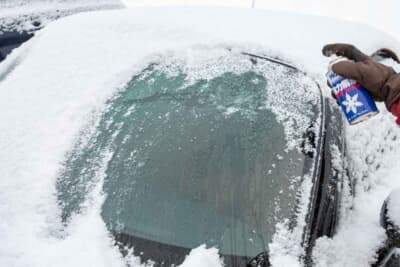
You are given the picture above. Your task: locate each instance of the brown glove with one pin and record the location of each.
(380, 80)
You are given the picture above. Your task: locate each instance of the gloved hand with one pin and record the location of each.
(380, 80)
(351, 52)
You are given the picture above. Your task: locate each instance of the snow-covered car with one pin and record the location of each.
(149, 133)
(20, 19)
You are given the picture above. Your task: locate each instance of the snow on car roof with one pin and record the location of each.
(63, 76)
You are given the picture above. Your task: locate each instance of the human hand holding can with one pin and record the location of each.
(355, 101)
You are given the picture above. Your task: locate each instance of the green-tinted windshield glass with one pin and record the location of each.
(191, 161)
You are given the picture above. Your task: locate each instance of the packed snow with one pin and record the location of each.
(61, 79)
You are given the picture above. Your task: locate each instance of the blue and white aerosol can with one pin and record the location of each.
(356, 102)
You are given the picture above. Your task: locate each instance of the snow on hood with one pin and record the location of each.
(22, 15)
(70, 68)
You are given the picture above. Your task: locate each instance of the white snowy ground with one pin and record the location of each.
(59, 83)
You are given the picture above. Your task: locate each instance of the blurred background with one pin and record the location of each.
(382, 14)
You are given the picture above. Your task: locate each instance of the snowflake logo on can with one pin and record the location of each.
(352, 103)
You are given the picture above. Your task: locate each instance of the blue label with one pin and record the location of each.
(354, 100)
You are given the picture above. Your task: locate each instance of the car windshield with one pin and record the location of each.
(193, 154)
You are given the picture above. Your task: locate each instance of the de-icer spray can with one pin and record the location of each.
(356, 102)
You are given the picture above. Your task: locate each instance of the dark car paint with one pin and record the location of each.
(389, 258)
(11, 40)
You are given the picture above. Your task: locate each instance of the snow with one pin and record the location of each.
(22, 15)
(372, 160)
(203, 257)
(63, 76)
(382, 16)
